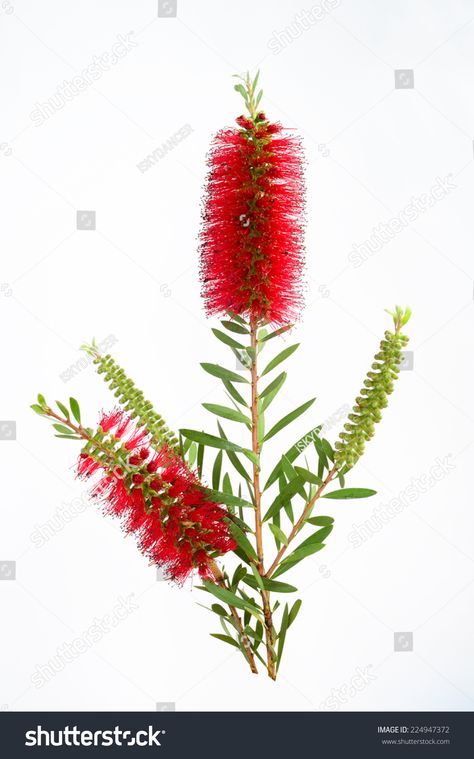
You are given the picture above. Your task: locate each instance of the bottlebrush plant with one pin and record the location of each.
(251, 264)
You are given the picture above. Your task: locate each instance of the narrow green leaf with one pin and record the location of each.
(233, 458)
(317, 537)
(37, 409)
(222, 373)
(270, 585)
(41, 400)
(234, 393)
(229, 598)
(257, 581)
(242, 540)
(228, 499)
(212, 440)
(282, 635)
(294, 611)
(279, 358)
(288, 493)
(296, 557)
(218, 609)
(351, 493)
(192, 453)
(200, 458)
(69, 437)
(76, 412)
(320, 521)
(227, 340)
(279, 534)
(216, 471)
(63, 409)
(227, 413)
(292, 454)
(239, 573)
(64, 430)
(233, 327)
(225, 638)
(308, 476)
(269, 393)
(288, 419)
(277, 332)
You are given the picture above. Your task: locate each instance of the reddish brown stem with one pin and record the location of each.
(267, 612)
(298, 525)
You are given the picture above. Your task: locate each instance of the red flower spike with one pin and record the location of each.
(251, 240)
(179, 530)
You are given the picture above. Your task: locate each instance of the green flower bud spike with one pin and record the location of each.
(373, 397)
(131, 398)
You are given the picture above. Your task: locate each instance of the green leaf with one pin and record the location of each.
(308, 476)
(233, 327)
(41, 400)
(225, 638)
(76, 412)
(279, 358)
(212, 440)
(296, 557)
(226, 339)
(317, 537)
(294, 611)
(292, 454)
(227, 413)
(64, 430)
(241, 90)
(269, 393)
(286, 494)
(242, 540)
(63, 409)
(279, 534)
(216, 471)
(234, 393)
(270, 585)
(192, 453)
(351, 493)
(320, 521)
(282, 635)
(234, 460)
(288, 419)
(276, 333)
(219, 496)
(38, 409)
(200, 458)
(229, 598)
(69, 437)
(218, 609)
(222, 373)
(256, 580)
(239, 573)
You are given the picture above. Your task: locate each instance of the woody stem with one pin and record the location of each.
(267, 612)
(221, 581)
(298, 525)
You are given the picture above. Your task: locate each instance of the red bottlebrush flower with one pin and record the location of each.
(251, 240)
(180, 529)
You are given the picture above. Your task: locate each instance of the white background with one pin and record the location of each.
(135, 277)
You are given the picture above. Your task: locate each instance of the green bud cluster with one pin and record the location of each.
(131, 398)
(373, 397)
